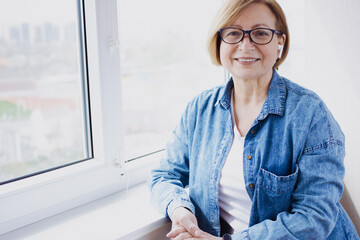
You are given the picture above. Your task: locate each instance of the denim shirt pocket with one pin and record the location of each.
(274, 191)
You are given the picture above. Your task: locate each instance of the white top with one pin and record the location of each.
(234, 201)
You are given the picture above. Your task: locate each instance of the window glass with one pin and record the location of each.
(164, 63)
(43, 120)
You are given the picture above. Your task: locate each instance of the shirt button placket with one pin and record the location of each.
(250, 156)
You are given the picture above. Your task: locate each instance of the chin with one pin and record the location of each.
(245, 75)
(251, 74)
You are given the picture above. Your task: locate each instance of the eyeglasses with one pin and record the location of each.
(260, 36)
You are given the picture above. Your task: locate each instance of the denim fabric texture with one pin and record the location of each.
(293, 165)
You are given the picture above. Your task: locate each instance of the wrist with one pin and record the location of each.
(180, 210)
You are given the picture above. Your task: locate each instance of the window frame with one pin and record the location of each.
(34, 198)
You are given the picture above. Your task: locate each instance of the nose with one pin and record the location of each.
(246, 44)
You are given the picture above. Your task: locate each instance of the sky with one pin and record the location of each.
(15, 12)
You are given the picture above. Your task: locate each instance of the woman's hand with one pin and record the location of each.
(184, 225)
(183, 235)
(204, 236)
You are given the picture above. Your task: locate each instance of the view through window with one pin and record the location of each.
(164, 64)
(43, 121)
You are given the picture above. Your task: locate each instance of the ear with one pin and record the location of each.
(282, 39)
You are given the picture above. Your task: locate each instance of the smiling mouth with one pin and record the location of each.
(247, 60)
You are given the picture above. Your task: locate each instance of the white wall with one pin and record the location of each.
(325, 57)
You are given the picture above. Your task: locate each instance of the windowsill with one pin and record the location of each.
(117, 216)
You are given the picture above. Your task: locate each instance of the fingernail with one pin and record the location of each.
(197, 233)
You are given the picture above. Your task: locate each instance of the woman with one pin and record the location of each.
(262, 157)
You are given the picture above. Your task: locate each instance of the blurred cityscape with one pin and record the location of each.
(163, 64)
(41, 115)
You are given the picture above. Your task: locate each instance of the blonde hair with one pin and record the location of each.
(230, 11)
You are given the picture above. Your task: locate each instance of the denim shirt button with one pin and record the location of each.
(252, 131)
(251, 185)
(249, 157)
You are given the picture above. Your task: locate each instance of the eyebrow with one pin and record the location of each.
(260, 25)
(254, 26)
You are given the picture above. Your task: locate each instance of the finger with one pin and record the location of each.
(183, 236)
(175, 231)
(193, 230)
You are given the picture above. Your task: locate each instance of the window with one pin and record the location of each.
(164, 64)
(68, 64)
(132, 67)
(44, 121)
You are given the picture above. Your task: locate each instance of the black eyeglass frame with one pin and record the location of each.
(249, 33)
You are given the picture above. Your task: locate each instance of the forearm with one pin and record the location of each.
(168, 194)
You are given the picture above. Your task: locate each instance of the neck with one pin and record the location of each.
(250, 91)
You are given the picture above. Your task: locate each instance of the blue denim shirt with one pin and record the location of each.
(293, 165)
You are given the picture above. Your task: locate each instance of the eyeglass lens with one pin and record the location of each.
(258, 36)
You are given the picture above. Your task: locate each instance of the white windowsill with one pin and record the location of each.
(118, 216)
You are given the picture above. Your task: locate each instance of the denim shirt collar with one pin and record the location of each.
(274, 102)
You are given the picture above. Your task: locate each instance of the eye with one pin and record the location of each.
(233, 33)
(261, 33)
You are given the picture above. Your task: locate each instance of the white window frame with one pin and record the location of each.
(35, 198)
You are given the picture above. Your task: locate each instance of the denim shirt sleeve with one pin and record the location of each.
(169, 180)
(318, 188)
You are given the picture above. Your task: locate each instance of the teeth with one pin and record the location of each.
(246, 60)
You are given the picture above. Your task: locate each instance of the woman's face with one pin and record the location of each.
(247, 60)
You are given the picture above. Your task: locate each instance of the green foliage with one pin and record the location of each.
(11, 111)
